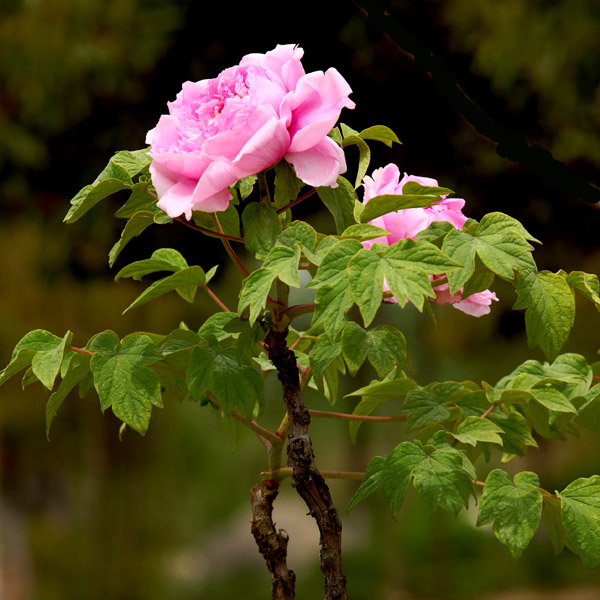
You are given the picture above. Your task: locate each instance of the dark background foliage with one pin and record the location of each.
(87, 516)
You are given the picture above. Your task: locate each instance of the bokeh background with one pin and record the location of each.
(86, 516)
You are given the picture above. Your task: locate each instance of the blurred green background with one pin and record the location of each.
(86, 516)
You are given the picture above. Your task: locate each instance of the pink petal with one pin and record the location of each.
(405, 223)
(320, 165)
(214, 183)
(384, 181)
(215, 203)
(282, 63)
(478, 304)
(426, 181)
(175, 192)
(263, 149)
(316, 105)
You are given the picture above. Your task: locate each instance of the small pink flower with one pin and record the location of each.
(408, 222)
(242, 122)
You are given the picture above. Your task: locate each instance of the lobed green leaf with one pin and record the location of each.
(580, 513)
(515, 508)
(550, 309)
(371, 482)
(123, 379)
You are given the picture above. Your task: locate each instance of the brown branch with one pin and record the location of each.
(323, 414)
(272, 544)
(488, 411)
(234, 257)
(209, 232)
(80, 350)
(309, 483)
(296, 201)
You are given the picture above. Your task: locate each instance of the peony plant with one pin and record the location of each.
(232, 159)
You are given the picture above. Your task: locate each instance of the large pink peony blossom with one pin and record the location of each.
(408, 222)
(242, 122)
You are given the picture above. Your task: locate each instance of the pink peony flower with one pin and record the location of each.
(408, 222)
(242, 122)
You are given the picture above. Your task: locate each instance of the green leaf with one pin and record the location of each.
(323, 354)
(331, 379)
(516, 435)
(385, 346)
(365, 276)
(333, 265)
(427, 406)
(413, 188)
(123, 379)
(364, 232)
(215, 325)
(581, 518)
(79, 367)
(41, 349)
(386, 349)
(354, 346)
(550, 313)
(553, 400)
(133, 162)
(407, 265)
(435, 233)
(364, 156)
(385, 390)
(586, 284)
(515, 508)
(134, 227)
(439, 478)
(370, 483)
(287, 185)
(333, 297)
(299, 233)
(116, 176)
(185, 282)
(255, 290)
(553, 524)
(380, 133)
(163, 259)
(237, 387)
(283, 262)
(500, 243)
(140, 199)
(261, 228)
(245, 186)
(497, 223)
(340, 203)
(475, 429)
(571, 369)
(379, 394)
(398, 471)
(46, 363)
(21, 359)
(387, 203)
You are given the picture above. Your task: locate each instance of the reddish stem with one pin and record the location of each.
(296, 201)
(488, 411)
(209, 231)
(346, 417)
(215, 298)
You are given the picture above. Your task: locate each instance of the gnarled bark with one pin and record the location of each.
(308, 482)
(271, 543)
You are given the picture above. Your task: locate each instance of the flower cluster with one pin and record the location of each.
(242, 122)
(408, 222)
